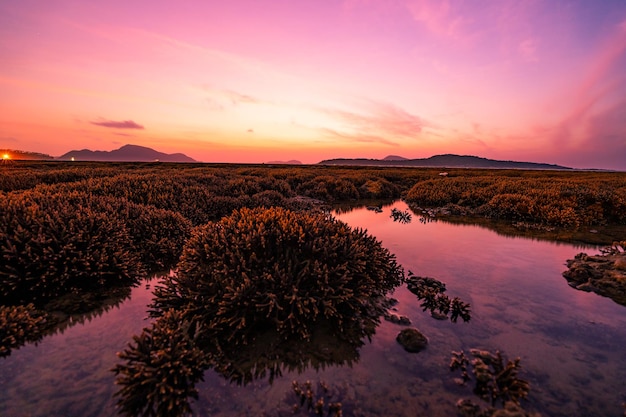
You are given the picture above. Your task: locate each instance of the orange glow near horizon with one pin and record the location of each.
(245, 82)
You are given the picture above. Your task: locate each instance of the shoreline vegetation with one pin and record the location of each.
(77, 231)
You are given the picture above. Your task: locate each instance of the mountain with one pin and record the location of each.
(290, 162)
(395, 158)
(127, 153)
(444, 161)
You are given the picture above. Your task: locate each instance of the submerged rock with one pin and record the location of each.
(438, 316)
(412, 340)
(398, 319)
(603, 274)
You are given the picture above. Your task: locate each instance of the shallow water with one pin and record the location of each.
(571, 343)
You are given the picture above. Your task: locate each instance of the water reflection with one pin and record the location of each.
(270, 356)
(30, 324)
(163, 365)
(259, 292)
(571, 343)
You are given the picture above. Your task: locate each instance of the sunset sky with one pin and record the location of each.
(261, 80)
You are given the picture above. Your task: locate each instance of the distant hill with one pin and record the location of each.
(127, 153)
(24, 155)
(395, 158)
(290, 162)
(444, 161)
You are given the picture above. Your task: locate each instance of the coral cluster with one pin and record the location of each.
(315, 402)
(161, 369)
(50, 247)
(400, 215)
(495, 380)
(251, 284)
(557, 199)
(281, 270)
(434, 299)
(18, 325)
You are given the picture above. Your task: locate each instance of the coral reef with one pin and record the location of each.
(494, 380)
(400, 216)
(537, 197)
(467, 408)
(281, 270)
(18, 325)
(604, 274)
(259, 291)
(315, 402)
(50, 248)
(161, 369)
(434, 299)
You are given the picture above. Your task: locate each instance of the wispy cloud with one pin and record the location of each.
(441, 17)
(595, 94)
(238, 98)
(377, 121)
(528, 50)
(356, 137)
(220, 99)
(124, 124)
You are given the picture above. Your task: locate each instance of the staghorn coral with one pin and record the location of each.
(281, 270)
(161, 368)
(495, 380)
(548, 199)
(315, 402)
(400, 216)
(434, 299)
(259, 291)
(50, 248)
(19, 325)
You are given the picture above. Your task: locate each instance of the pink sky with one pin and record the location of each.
(260, 80)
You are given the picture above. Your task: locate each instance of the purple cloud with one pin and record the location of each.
(124, 124)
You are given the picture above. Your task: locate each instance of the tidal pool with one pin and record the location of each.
(571, 343)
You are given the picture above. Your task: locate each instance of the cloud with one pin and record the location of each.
(604, 145)
(378, 120)
(442, 18)
(598, 95)
(124, 124)
(528, 50)
(214, 105)
(238, 98)
(220, 99)
(357, 137)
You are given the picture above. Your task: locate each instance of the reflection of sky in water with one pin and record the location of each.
(571, 343)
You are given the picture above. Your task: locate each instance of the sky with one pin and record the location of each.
(252, 81)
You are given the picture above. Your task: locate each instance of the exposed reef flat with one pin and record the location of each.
(603, 274)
